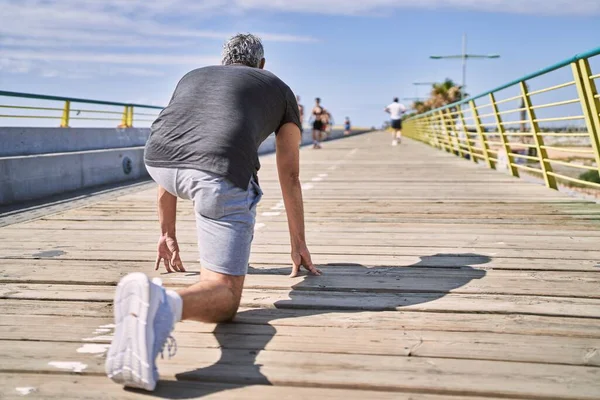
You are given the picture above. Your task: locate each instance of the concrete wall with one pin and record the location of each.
(40, 162)
(28, 141)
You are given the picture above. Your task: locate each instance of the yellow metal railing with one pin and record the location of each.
(546, 123)
(122, 114)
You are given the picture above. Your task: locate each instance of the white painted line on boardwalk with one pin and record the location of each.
(109, 326)
(278, 206)
(24, 391)
(271, 214)
(92, 348)
(98, 338)
(317, 179)
(307, 186)
(258, 226)
(343, 160)
(323, 175)
(74, 366)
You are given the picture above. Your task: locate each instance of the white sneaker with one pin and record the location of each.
(395, 142)
(143, 324)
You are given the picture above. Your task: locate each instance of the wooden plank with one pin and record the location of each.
(334, 240)
(464, 280)
(347, 226)
(20, 307)
(307, 369)
(332, 340)
(351, 252)
(61, 387)
(79, 312)
(357, 301)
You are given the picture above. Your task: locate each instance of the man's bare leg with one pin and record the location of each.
(316, 136)
(215, 298)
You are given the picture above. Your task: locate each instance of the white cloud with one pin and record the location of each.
(112, 58)
(89, 31)
(15, 66)
(360, 7)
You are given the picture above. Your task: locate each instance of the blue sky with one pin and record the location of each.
(354, 54)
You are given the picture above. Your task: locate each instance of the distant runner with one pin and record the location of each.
(327, 120)
(317, 117)
(396, 110)
(347, 126)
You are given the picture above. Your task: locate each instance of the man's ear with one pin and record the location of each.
(262, 64)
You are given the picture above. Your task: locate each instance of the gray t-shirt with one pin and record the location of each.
(217, 118)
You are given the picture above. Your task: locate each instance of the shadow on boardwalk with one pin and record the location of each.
(240, 348)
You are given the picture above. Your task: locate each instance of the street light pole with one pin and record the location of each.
(464, 57)
(464, 67)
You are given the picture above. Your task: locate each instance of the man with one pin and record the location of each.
(203, 147)
(301, 111)
(317, 116)
(396, 110)
(347, 126)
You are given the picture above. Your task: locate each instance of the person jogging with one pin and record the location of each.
(317, 117)
(203, 147)
(396, 110)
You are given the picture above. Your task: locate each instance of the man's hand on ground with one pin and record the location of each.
(168, 252)
(301, 257)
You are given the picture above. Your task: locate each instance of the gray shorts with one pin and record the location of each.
(225, 215)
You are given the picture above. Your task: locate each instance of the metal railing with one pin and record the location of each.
(546, 124)
(69, 109)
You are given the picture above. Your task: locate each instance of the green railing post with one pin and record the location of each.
(426, 127)
(484, 144)
(455, 139)
(511, 162)
(432, 133)
(64, 121)
(125, 118)
(466, 133)
(444, 129)
(130, 117)
(539, 140)
(590, 103)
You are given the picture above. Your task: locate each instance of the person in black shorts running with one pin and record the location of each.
(317, 113)
(396, 110)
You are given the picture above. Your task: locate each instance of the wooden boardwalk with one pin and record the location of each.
(442, 280)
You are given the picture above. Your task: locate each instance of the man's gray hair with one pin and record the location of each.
(244, 49)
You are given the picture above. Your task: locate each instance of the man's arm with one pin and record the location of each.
(288, 168)
(168, 249)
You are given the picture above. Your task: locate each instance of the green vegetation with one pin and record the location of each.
(590, 176)
(443, 93)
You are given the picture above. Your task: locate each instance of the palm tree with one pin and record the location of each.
(443, 93)
(446, 92)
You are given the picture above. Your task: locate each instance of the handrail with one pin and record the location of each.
(492, 138)
(126, 121)
(73, 99)
(554, 67)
